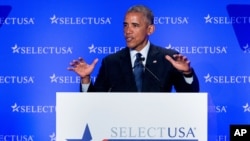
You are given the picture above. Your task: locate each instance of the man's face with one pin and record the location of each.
(136, 30)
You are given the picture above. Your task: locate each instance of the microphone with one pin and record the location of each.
(147, 69)
(110, 89)
(150, 72)
(142, 59)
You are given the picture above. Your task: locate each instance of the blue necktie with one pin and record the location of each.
(138, 70)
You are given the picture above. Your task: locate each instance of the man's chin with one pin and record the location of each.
(130, 46)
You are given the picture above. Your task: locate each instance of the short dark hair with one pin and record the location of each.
(145, 11)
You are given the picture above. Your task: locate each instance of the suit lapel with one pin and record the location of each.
(127, 70)
(152, 57)
(151, 69)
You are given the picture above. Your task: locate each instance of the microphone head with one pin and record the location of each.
(142, 58)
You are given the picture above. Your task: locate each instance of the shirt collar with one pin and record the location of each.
(144, 53)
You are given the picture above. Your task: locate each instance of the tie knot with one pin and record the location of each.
(138, 57)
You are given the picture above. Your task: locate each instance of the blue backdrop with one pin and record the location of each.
(38, 39)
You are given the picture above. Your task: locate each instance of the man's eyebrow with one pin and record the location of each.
(134, 23)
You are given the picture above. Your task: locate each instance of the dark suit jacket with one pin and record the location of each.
(116, 74)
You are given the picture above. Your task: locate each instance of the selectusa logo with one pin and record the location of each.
(226, 20)
(33, 109)
(80, 20)
(17, 21)
(67, 79)
(15, 137)
(103, 49)
(153, 132)
(171, 20)
(218, 109)
(226, 79)
(64, 79)
(41, 50)
(144, 134)
(199, 49)
(17, 79)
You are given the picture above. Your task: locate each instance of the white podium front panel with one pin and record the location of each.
(131, 116)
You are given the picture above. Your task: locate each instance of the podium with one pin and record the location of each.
(131, 116)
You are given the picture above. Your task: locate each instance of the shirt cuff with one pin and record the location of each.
(85, 87)
(189, 80)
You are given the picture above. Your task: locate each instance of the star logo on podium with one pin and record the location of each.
(86, 135)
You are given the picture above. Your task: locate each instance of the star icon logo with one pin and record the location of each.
(208, 19)
(86, 135)
(246, 108)
(52, 137)
(168, 47)
(15, 108)
(246, 48)
(53, 78)
(92, 49)
(208, 78)
(15, 49)
(54, 19)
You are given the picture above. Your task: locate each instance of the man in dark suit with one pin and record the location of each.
(160, 70)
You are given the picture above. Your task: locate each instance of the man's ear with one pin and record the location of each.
(151, 29)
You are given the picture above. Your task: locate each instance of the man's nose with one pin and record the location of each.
(128, 29)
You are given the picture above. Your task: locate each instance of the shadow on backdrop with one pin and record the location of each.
(4, 12)
(241, 25)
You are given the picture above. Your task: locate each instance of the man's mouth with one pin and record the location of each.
(128, 39)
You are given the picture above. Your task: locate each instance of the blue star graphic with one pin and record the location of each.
(86, 135)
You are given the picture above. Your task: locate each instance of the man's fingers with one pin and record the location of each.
(170, 59)
(94, 62)
(80, 59)
(70, 69)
